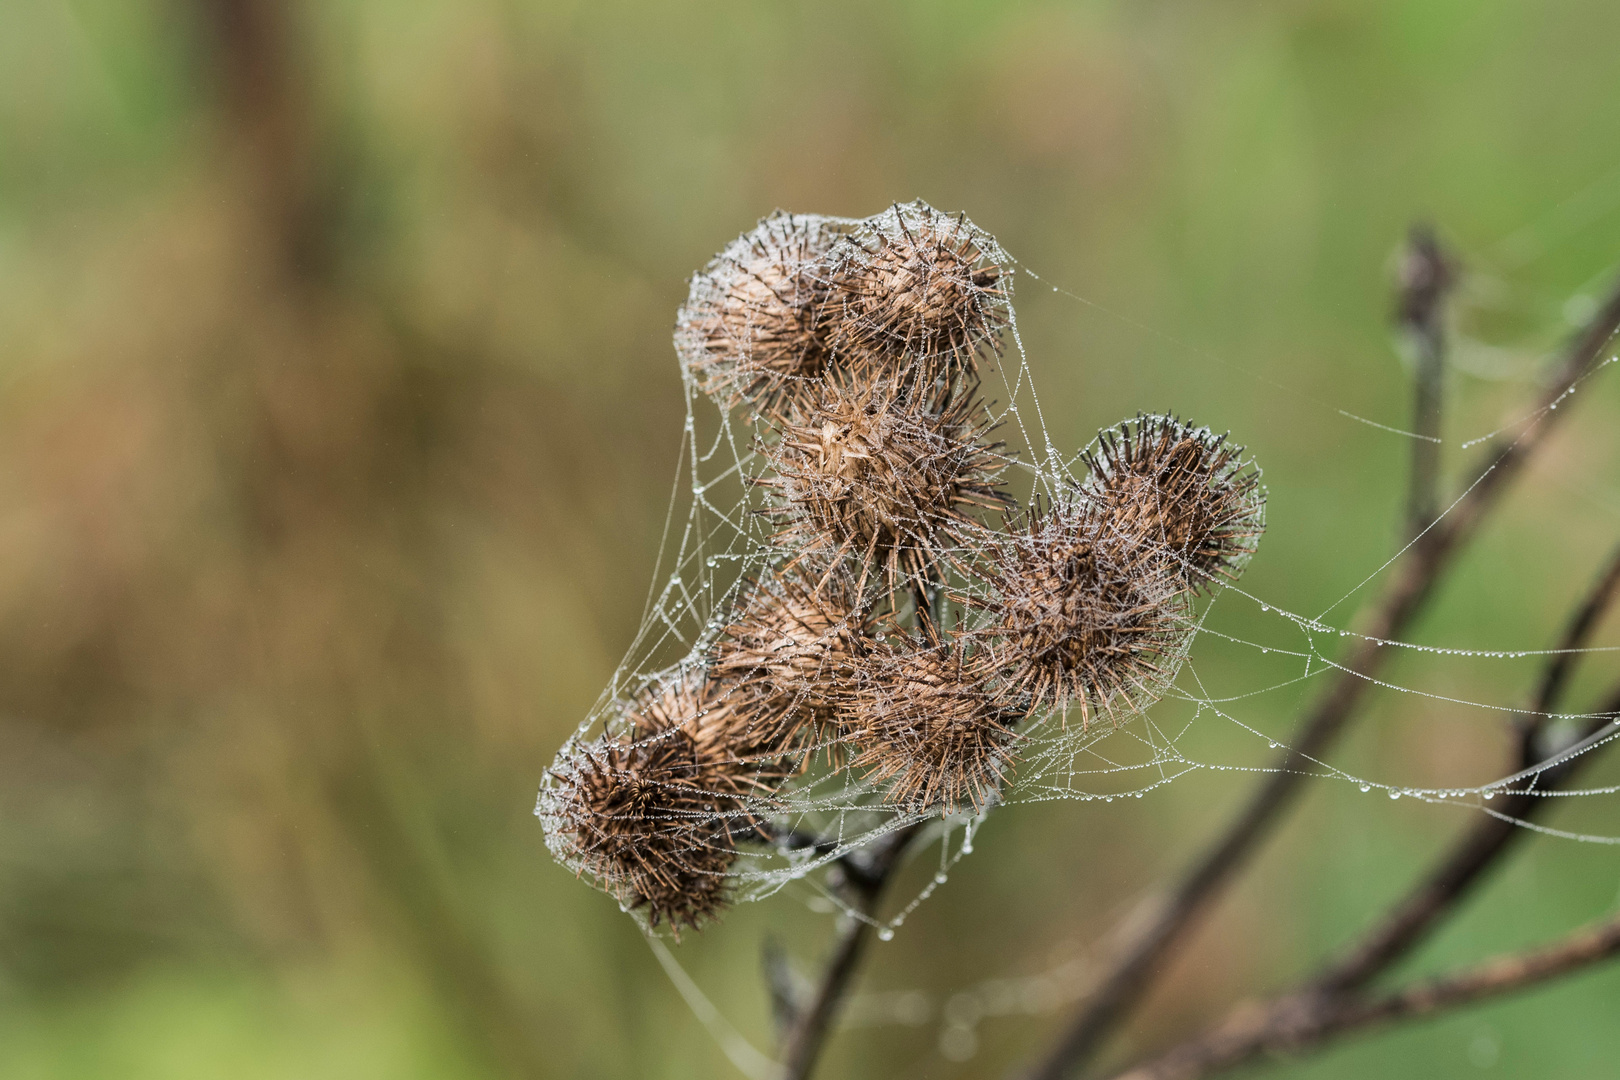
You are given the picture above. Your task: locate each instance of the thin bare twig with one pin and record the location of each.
(1296, 1024)
(865, 874)
(865, 879)
(1386, 618)
(1426, 276)
(1580, 627)
(1489, 839)
(1251, 1031)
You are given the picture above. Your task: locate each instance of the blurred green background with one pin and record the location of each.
(338, 413)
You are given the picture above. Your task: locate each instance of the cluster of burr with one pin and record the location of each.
(907, 618)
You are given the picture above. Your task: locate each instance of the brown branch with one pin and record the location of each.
(1485, 844)
(1576, 634)
(1387, 618)
(268, 123)
(864, 881)
(865, 874)
(1426, 276)
(1304, 1022)
(1249, 1032)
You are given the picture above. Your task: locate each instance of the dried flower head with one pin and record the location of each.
(933, 721)
(883, 475)
(1186, 488)
(751, 328)
(1084, 613)
(917, 284)
(651, 811)
(792, 644)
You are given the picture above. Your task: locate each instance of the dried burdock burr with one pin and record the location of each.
(751, 328)
(875, 473)
(651, 810)
(933, 721)
(1082, 613)
(916, 284)
(791, 645)
(1185, 488)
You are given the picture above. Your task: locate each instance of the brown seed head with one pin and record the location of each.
(751, 329)
(1184, 488)
(792, 644)
(1081, 613)
(915, 284)
(933, 721)
(651, 809)
(884, 475)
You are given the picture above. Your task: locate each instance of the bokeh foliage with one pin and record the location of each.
(338, 414)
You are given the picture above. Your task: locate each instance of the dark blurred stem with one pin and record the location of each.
(1148, 946)
(1426, 276)
(783, 983)
(1321, 1003)
(268, 127)
(1292, 1026)
(1581, 624)
(1488, 841)
(866, 873)
(1333, 1002)
(268, 132)
(863, 874)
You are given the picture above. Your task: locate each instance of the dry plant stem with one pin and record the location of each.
(1482, 846)
(1287, 1027)
(1586, 618)
(1250, 1031)
(1387, 618)
(267, 129)
(866, 879)
(1426, 277)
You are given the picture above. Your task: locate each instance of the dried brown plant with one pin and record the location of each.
(792, 644)
(933, 722)
(1084, 611)
(917, 286)
(886, 476)
(751, 328)
(858, 344)
(1184, 487)
(889, 624)
(652, 810)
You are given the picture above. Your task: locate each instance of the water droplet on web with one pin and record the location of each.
(1265, 607)
(1490, 794)
(967, 847)
(1366, 788)
(1394, 794)
(1265, 650)
(885, 933)
(1274, 745)
(939, 878)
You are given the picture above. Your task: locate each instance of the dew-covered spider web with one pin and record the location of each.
(886, 600)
